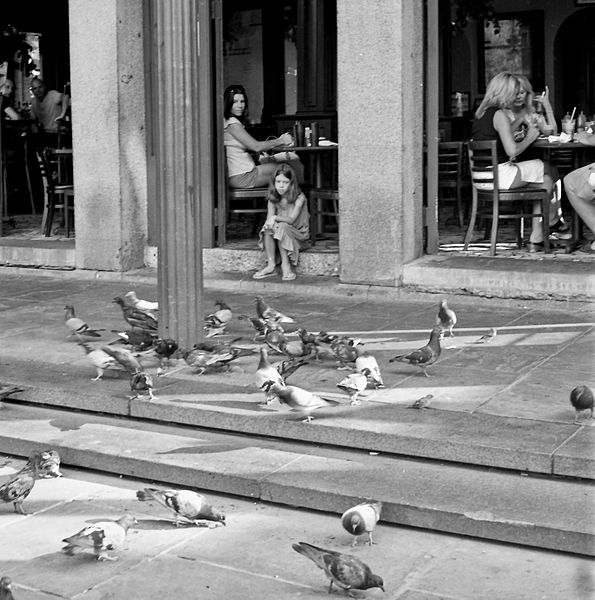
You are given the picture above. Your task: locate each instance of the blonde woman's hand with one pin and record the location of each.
(285, 139)
(532, 133)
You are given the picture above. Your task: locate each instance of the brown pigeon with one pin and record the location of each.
(344, 570)
(100, 537)
(268, 313)
(186, 504)
(425, 356)
(19, 486)
(361, 519)
(142, 319)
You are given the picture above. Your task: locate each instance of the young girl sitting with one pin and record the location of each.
(287, 226)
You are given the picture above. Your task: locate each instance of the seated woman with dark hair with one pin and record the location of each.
(242, 170)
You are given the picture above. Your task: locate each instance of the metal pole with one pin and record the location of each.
(180, 277)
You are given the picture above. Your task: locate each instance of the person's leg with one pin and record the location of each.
(270, 248)
(264, 173)
(581, 196)
(536, 236)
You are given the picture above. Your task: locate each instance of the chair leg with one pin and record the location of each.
(460, 206)
(545, 219)
(472, 218)
(495, 219)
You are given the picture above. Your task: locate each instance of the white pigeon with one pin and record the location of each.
(361, 519)
(365, 360)
(131, 299)
(299, 400)
(189, 505)
(353, 384)
(101, 360)
(266, 372)
(100, 537)
(77, 326)
(446, 318)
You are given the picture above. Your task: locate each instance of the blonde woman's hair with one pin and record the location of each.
(501, 92)
(526, 85)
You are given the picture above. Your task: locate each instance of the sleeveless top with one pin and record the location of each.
(239, 159)
(483, 130)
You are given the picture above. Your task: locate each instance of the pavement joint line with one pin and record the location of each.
(461, 329)
(253, 574)
(532, 368)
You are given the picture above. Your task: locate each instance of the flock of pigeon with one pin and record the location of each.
(345, 571)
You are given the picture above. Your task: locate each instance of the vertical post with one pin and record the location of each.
(432, 42)
(180, 275)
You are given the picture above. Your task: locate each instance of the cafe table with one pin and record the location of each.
(317, 153)
(579, 152)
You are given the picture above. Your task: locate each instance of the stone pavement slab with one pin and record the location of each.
(251, 558)
(478, 502)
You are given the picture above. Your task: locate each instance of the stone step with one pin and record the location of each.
(529, 446)
(548, 513)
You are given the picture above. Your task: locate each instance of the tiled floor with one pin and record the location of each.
(240, 237)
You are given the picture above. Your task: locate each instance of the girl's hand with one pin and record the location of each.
(270, 222)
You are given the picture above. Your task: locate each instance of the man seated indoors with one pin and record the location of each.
(580, 190)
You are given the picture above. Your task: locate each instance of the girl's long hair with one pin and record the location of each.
(228, 95)
(501, 92)
(293, 191)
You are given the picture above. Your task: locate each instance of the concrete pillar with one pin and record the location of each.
(380, 109)
(108, 131)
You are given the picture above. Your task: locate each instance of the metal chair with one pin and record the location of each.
(57, 196)
(452, 177)
(492, 203)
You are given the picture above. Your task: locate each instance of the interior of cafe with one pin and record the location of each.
(284, 53)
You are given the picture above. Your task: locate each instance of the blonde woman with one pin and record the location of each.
(492, 122)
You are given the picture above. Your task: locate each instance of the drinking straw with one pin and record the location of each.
(572, 115)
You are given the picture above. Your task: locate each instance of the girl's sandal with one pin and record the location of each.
(289, 276)
(265, 272)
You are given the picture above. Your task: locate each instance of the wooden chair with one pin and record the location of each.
(452, 176)
(247, 201)
(492, 203)
(318, 197)
(57, 196)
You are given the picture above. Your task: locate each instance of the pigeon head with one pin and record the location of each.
(127, 521)
(118, 300)
(376, 581)
(5, 583)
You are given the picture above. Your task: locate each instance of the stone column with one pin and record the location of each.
(108, 131)
(380, 109)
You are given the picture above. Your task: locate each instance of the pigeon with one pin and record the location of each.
(139, 339)
(165, 348)
(295, 349)
(204, 361)
(446, 318)
(266, 312)
(19, 486)
(100, 537)
(364, 361)
(274, 337)
(216, 322)
(425, 356)
(581, 398)
(135, 317)
(488, 337)
(131, 299)
(286, 368)
(343, 348)
(77, 326)
(100, 359)
(353, 384)
(421, 402)
(361, 519)
(140, 381)
(265, 372)
(313, 340)
(5, 589)
(49, 464)
(259, 325)
(298, 399)
(344, 570)
(186, 504)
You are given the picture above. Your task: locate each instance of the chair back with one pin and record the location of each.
(450, 163)
(483, 166)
